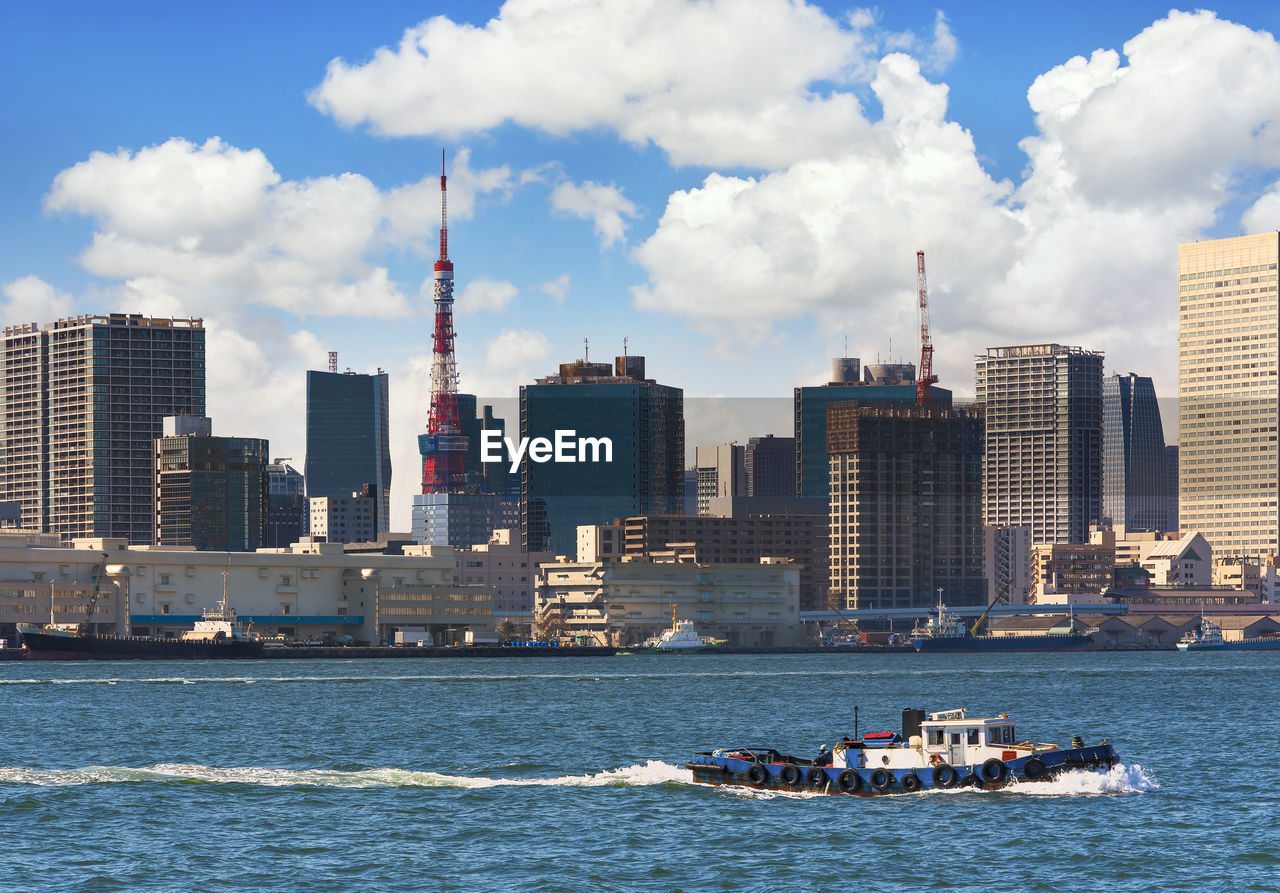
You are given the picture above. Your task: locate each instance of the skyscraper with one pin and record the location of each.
(1042, 466)
(883, 383)
(1229, 393)
(906, 506)
(1133, 477)
(644, 422)
(83, 402)
(347, 438)
(211, 492)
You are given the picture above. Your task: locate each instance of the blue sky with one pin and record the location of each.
(734, 187)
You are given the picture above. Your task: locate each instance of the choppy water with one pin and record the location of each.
(566, 774)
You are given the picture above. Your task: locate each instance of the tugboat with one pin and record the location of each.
(682, 638)
(218, 635)
(1208, 637)
(945, 632)
(949, 749)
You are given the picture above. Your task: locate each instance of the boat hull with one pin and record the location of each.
(710, 769)
(51, 646)
(1005, 643)
(1268, 644)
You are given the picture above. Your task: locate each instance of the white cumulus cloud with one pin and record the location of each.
(605, 206)
(485, 296)
(557, 289)
(31, 299)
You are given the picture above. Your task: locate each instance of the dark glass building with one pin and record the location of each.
(288, 511)
(347, 437)
(771, 466)
(1134, 486)
(883, 384)
(211, 492)
(644, 422)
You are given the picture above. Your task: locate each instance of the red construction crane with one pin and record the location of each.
(924, 375)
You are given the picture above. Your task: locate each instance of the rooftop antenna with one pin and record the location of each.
(586, 350)
(333, 361)
(624, 346)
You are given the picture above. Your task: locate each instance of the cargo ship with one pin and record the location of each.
(945, 632)
(949, 749)
(217, 635)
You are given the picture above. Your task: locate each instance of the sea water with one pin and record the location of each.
(545, 773)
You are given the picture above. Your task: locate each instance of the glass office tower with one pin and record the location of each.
(1133, 454)
(347, 438)
(644, 422)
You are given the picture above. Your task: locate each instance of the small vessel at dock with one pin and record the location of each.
(1208, 637)
(681, 638)
(950, 748)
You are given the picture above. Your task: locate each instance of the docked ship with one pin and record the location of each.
(1208, 637)
(219, 634)
(945, 632)
(949, 749)
(681, 638)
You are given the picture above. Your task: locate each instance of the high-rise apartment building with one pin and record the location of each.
(906, 506)
(1133, 454)
(82, 404)
(348, 443)
(1042, 467)
(643, 422)
(211, 492)
(882, 383)
(1229, 393)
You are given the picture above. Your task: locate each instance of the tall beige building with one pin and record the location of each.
(1229, 393)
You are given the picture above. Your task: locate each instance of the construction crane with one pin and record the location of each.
(924, 376)
(93, 596)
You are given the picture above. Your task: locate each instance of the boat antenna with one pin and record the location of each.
(855, 722)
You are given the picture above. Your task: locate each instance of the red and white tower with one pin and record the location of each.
(444, 446)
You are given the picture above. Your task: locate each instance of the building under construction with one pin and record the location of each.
(906, 505)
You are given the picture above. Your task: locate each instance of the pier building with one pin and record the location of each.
(310, 591)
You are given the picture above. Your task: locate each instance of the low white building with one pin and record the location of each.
(508, 571)
(344, 519)
(310, 591)
(1187, 561)
(626, 602)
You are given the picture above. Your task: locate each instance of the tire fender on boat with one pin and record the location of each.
(850, 782)
(993, 770)
(790, 775)
(944, 776)
(881, 779)
(758, 774)
(1034, 769)
(911, 782)
(817, 778)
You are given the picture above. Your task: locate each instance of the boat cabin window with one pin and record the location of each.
(955, 737)
(1000, 735)
(973, 736)
(935, 737)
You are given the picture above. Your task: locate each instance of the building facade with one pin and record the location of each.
(738, 539)
(211, 492)
(749, 605)
(722, 471)
(643, 422)
(771, 467)
(1007, 562)
(1229, 393)
(345, 519)
(906, 506)
(1042, 465)
(83, 402)
(312, 591)
(288, 512)
(348, 442)
(1134, 482)
(895, 384)
(510, 573)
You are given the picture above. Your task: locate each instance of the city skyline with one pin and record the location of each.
(304, 220)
